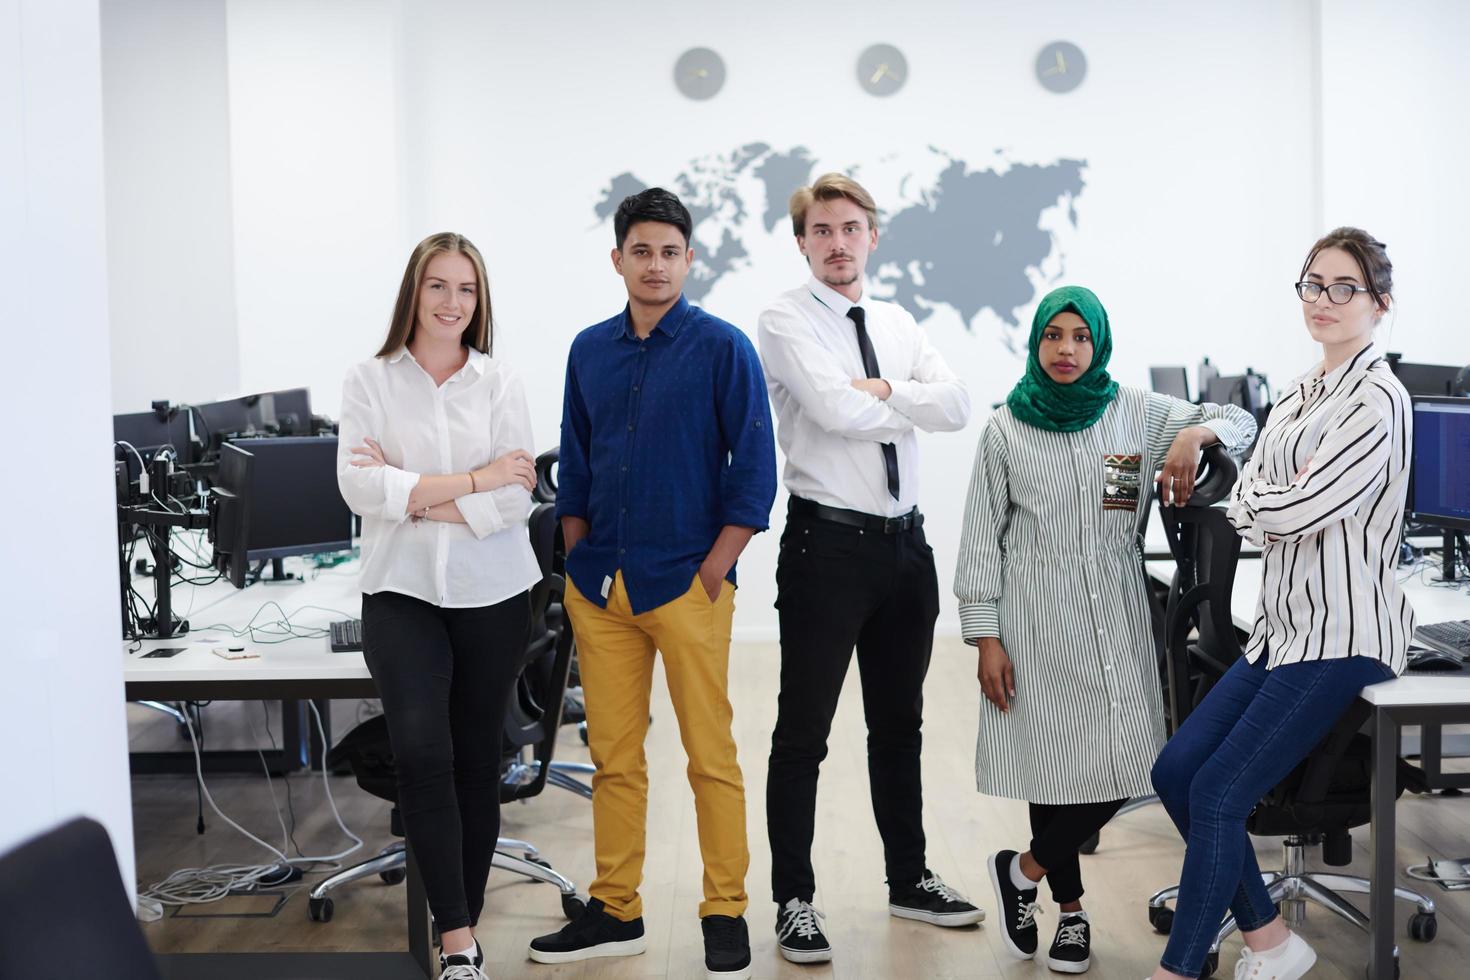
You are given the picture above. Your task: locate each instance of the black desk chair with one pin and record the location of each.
(63, 909)
(530, 734)
(563, 774)
(1156, 622)
(1321, 800)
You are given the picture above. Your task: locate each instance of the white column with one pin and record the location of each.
(62, 721)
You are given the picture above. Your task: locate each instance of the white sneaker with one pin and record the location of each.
(1289, 961)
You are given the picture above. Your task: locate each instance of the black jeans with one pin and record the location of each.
(838, 587)
(1056, 834)
(445, 677)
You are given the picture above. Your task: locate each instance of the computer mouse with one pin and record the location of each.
(1431, 660)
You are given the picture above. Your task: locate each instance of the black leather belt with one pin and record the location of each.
(801, 507)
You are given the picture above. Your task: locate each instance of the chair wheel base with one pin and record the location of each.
(393, 876)
(572, 907)
(319, 909)
(1161, 918)
(1423, 927)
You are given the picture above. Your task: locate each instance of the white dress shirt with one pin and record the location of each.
(474, 418)
(1323, 496)
(830, 432)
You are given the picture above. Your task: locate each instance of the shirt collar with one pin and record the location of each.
(477, 360)
(830, 298)
(669, 324)
(1328, 384)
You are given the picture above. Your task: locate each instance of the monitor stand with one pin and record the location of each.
(278, 573)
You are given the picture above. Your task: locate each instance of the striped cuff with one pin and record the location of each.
(979, 619)
(1229, 435)
(1243, 520)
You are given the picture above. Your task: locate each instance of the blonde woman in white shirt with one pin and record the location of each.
(435, 455)
(1323, 496)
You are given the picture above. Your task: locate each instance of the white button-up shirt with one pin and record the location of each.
(830, 432)
(474, 418)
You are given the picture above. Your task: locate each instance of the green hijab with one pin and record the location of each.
(1037, 399)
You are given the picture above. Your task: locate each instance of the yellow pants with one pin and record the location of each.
(615, 651)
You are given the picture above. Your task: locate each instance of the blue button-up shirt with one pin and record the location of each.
(664, 441)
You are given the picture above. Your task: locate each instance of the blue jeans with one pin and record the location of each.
(1250, 731)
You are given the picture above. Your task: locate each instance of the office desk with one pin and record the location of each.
(1431, 700)
(304, 669)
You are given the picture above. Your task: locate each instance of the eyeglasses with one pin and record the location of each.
(1338, 293)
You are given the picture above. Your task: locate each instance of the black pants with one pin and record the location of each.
(840, 587)
(445, 678)
(1056, 834)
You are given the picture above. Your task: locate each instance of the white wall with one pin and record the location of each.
(62, 719)
(170, 240)
(319, 193)
(1395, 142)
(358, 128)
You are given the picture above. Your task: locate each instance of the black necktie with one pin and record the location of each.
(870, 365)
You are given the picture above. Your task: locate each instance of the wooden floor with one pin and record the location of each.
(1140, 853)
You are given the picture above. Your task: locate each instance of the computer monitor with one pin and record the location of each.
(1439, 490)
(278, 497)
(229, 512)
(286, 413)
(1172, 381)
(1426, 379)
(224, 421)
(148, 432)
(1226, 389)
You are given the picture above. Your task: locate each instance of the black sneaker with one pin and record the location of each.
(593, 933)
(799, 933)
(930, 900)
(726, 947)
(1071, 950)
(461, 967)
(1018, 907)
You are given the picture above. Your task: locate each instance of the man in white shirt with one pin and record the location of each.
(851, 378)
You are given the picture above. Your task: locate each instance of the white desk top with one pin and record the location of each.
(1432, 603)
(333, 592)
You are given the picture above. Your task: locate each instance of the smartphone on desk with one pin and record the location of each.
(163, 652)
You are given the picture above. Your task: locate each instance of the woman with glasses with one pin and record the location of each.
(1323, 497)
(1052, 593)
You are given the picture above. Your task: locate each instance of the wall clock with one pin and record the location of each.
(882, 69)
(699, 73)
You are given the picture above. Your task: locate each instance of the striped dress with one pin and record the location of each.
(1049, 563)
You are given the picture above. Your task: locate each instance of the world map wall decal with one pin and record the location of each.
(964, 238)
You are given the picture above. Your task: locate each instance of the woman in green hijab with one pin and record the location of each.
(1051, 593)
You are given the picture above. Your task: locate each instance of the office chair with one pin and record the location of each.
(563, 773)
(532, 721)
(1325, 796)
(1156, 622)
(62, 902)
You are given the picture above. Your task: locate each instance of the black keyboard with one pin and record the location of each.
(1453, 636)
(347, 636)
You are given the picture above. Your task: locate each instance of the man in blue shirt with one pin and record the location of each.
(668, 467)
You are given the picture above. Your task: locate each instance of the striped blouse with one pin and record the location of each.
(1323, 496)
(1049, 563)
